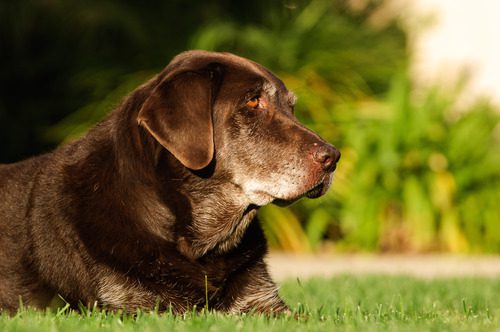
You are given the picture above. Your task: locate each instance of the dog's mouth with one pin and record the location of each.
(316, 191)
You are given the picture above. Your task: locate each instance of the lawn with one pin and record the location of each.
(345, 303)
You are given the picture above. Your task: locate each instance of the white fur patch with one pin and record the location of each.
(269, 89)
(287, 183)
(292, 98)
(116, 293)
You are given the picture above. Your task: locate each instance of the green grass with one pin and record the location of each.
(366, 303)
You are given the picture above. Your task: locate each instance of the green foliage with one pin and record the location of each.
(332, 48)
(422, 162)
(346, 303)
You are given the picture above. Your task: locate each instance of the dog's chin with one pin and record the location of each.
(316, 191)
(264, 197)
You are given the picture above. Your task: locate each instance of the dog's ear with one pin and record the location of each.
(178, 114)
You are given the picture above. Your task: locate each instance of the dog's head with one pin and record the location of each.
(230, 112)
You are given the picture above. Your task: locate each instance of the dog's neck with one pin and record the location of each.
(211, 213)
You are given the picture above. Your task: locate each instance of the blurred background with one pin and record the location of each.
(408, 90)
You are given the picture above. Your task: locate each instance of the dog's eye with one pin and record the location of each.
(253, 102)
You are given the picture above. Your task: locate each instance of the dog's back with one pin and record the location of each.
(16, 184)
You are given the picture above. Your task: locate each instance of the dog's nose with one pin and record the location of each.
(327, 156)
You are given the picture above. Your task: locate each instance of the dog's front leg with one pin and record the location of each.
(253, 291)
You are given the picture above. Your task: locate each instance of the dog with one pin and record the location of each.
(155, 207)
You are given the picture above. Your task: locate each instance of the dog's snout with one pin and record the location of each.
(327, 156)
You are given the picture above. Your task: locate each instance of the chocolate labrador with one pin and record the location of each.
(156, 205)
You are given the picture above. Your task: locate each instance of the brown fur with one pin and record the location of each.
(161, 194)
